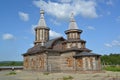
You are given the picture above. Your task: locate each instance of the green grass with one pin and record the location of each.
(67, 78)
(46, 73)
(12, 73)
(112, 68)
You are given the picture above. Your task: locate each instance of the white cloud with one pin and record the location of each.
(85, 8)
(25, 37)
(65, 1)
(116, 43)
(54, 34)
(31, 45)
(118, 19)
(108, 45)
(55, 22)
(23, 16)
(8, 36)
(109, 2)
(113, 43)
(90, 28)
(108, 13)
(33, 29)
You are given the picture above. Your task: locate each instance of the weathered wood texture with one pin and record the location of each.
(64, 62)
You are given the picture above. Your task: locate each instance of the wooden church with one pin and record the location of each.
(60, 54)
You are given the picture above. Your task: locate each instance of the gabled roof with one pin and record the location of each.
(38, 48)
(50, 43)
(35, 49)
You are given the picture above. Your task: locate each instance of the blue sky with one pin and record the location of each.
(99, 20)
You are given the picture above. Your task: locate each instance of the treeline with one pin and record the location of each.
(11, 63)
(111, 59)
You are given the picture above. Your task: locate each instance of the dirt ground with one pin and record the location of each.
(30, 75)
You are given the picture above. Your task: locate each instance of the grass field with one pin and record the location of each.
(30, 75)
(112, 68)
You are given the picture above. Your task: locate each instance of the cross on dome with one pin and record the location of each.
(73, 24)
(42, 22)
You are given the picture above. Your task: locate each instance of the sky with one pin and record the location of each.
(99, 20)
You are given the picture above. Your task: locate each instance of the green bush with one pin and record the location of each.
(111, 59)
(112, 68)
(12, 73)
(11, 63)
(46, 73)
(67, 78)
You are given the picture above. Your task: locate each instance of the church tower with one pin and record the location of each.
(41, 31)
(73, 35)
(59, 54)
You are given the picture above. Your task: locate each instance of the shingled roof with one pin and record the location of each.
(86, 54)
(52, 41)
(38, 48)
(73, 24)
(35, 49)
(42, 22)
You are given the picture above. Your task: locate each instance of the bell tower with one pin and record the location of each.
(73, 36)
(73, 33)
(41, 31)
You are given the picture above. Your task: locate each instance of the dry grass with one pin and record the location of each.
(30, 75)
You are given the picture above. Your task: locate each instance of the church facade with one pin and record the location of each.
(60, 54)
